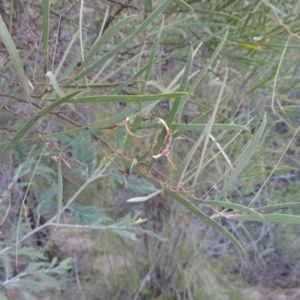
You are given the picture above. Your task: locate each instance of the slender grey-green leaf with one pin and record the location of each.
(122, 98)
(46, 13)
(277, 206)
(234, 206)
(14, 55)
(143, 198)
(277, 72)
(273, 218)
(196, 127)
(80, 28)
(93, 86)
(55, 84)
(192, 208)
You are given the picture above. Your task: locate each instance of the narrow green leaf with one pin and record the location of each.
(122, 98)
(55, 84)
(123, 44)
(196, 127)
(246, 157)
(230, 205)
(143, 198)
(192, 208)
(277, 206)
(168, 31)
(46, 12)
(98, 125)
(80, 28)
(33, 120)
(14, 55)
(277, 72)
(273, 218)
(93, 86)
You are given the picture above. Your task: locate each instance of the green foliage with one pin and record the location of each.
(139, 185)
(84, 153)
(47, 200)
(190, 98)
(88, 215)
(32, 278)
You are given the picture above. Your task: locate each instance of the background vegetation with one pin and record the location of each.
(148, 149)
